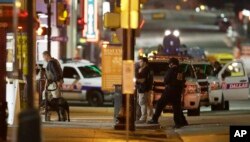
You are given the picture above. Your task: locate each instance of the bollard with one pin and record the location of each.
(29, 126)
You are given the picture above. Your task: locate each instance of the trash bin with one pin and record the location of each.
(117, 100)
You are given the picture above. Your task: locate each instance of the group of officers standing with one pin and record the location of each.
(174, 82)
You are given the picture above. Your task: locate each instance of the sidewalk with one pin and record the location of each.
(102, 131)
(90, 127)
(75, 134)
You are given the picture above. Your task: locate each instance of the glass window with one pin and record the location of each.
(69, 72)
(203, 70)
(234, 70)
(159, 68)
(189, 73)
(90, 71)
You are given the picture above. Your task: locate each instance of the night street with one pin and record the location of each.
(124, 70)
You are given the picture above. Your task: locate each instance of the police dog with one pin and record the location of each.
(59, 105)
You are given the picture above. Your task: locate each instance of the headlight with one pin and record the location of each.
(215, 85)
(176, 33)
(167, 32)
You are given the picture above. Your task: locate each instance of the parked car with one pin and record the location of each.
(82, 82)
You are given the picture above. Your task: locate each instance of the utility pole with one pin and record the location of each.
(29, 119)
(128, 100)
(3, 103)
(48, 2)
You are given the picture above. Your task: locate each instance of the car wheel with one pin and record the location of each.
(95, 98)
(193, 112)
(218, 107)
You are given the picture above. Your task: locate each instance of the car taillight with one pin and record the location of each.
(215, 86)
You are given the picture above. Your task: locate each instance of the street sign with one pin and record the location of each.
(59, 38)
(128, 74)
(111, 67)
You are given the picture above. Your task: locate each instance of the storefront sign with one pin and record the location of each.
(90, 29)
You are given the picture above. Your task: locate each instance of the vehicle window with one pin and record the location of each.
(203, 70)
(183, 67)
(209, 70)
(234, 70)
(159, 69)
(69, 72)
(189, 72)
(90, 71)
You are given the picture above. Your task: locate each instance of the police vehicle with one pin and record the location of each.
(197, 87)
(231, 83)
(82, 82)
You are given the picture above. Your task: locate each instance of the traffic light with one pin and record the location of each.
(80, 24)
(62, 14)
(41, 31)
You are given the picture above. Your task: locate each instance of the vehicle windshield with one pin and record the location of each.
(203, 70)
(90, 71)
(159, 68)
(187, 69)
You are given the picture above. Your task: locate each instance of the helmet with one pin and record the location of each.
(174, 61)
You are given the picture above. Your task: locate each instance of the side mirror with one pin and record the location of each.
(77, 77)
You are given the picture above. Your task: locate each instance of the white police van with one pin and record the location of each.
(231, 83)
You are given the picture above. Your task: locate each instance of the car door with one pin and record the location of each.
(235, 83)
(71, 77)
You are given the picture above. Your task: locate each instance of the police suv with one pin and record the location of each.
(197, 87)
(231, 83)
(82, 82)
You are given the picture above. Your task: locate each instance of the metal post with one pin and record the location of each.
(3, 103)
(49, 26)
(29, 119)
(128, 104)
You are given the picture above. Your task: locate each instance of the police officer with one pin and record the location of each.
(175, 82)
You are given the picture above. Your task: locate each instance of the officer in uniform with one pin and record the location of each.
(174, 84)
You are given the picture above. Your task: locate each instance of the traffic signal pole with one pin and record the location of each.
(29, 119)
(128, 100)
(3, 103)
(49, 26)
